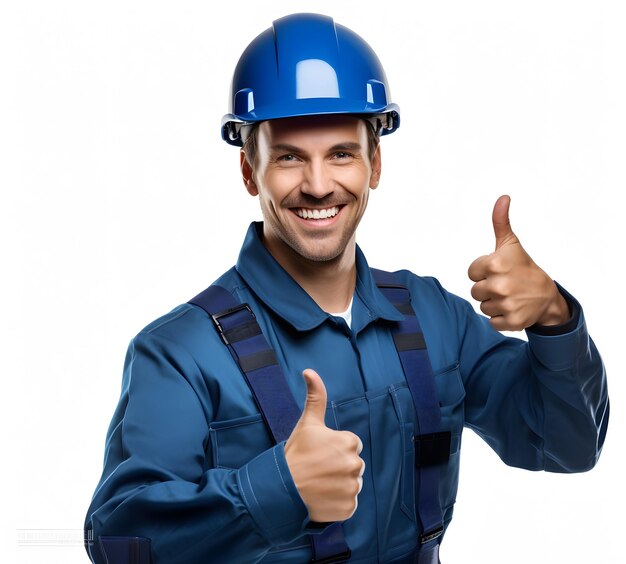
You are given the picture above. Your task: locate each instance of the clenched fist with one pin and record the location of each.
(512, 289)
(324, 463)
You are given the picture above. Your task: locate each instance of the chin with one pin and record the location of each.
(320, 254)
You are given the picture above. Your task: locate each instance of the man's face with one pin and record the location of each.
(312, 176)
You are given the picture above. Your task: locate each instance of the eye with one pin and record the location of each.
(287, 158)
(341, 155)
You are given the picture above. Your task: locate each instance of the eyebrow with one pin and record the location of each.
(345, 146)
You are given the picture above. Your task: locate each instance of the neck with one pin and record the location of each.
(330, 283)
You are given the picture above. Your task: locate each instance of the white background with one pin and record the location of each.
(120, 201)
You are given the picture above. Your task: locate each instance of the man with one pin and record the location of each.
(307, 408)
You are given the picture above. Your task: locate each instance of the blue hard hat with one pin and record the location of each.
(306, 64)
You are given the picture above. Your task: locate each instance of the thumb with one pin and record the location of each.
(315, 404)
(501, 223)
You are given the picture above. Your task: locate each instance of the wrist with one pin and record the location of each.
(557, 311)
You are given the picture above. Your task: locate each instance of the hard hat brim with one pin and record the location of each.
(388, 115)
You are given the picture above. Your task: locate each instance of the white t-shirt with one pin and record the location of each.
(347, 315)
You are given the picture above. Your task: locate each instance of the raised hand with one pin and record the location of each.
(514, 292)
(324, 463)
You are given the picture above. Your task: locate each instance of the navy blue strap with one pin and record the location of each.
(432, 446)
(240, 331)
(330, 547)
(125, 550)
(238, 327)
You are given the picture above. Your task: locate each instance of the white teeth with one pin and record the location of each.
(317, 214)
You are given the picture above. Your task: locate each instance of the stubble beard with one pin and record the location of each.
(316, 252)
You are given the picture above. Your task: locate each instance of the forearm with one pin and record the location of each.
(230, 516)
(184, 522)
(574, 396)
(541, 405)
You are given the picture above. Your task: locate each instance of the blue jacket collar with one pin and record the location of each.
(281, 293)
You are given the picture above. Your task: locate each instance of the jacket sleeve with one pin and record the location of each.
(156, 483)
(541, 404)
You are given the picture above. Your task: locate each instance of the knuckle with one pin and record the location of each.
(484, 307)
(348, 436)
(357, 442)
(501, 287)
(496, 264)
(478, 269)
(354, 490)
(357, 465)
(353, 442)
(474, 292)
(350, 507)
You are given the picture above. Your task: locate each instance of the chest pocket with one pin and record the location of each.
(451, 395)
(232, 444)
(235, 442)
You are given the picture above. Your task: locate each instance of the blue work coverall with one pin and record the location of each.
(190, 464)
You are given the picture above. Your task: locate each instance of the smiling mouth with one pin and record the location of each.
(310, 213)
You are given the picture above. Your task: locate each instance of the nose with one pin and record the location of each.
(317, 180)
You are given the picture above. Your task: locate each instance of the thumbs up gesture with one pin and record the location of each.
(324, 463)
(514, 292)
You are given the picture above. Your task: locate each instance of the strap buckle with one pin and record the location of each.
(335, 559)
(431, 535)
(217, 316)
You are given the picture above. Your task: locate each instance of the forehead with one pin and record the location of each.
(312, 129)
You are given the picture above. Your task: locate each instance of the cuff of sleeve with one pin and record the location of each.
(569, 325)
(558, 349)
(271, 496)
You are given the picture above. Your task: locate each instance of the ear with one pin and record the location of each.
(376, 169)
(247, 174)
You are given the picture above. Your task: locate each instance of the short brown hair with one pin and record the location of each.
(250, 143)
